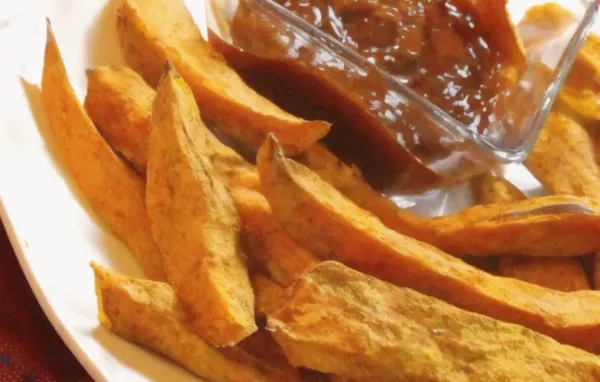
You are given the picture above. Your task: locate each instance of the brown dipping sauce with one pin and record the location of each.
(440, 49)
(437, 49)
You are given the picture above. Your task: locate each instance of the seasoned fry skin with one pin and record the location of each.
(120, 106)
(269, 295)
(476, 231)
(556, 226)
(271, 247)
(114, 191)
(581, 92)
(268, 244)
(583, 103)
(564, 274)
(542, 23)
(120, 103)
(152, 31)
(194, 221)
(579, 96)
(332, 227)
(149, 314)
(490, 188)
(343, 322)
(348, 180)
(563, 158)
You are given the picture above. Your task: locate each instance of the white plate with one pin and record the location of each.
(54, 236)
(52, 232)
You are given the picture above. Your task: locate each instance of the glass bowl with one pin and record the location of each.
(431, 149)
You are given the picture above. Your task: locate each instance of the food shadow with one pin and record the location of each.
(109, 243)
(102, 39)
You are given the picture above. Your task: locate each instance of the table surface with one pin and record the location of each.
(30, 348)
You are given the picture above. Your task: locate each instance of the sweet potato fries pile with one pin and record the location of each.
(285, 264)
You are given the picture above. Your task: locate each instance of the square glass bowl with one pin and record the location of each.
(431, 149)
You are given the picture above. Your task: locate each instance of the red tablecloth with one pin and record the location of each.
(30, 349)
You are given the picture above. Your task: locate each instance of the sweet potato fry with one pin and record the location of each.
(552, 226)
(153, 31)
(268, 295)
(490, 188)
(581, 92)
(114, 191)
(564, 274)
(582, 103)
(149, 314)
(331, 226)
(120, 103)
(340, 321)
(194, 220)
(563, 158)
(270, 246)
(348, 180)
(477, 231)
(543, 23)
(233, 170)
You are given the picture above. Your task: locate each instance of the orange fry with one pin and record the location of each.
(564, 274)
(490, 188)
(477, 231)
(148, 313)
(581, 93)
(333, 227)
(268, 295)
(348, 180)
(343, 322)
(542, 23)
(555, 226)
(120, 103)
(194, 221)
(152, 31)
(563, 158)
(113, 190)
(269, 245)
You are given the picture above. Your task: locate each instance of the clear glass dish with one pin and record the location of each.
(444, 152)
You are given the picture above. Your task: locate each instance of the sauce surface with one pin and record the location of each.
(441, 51)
